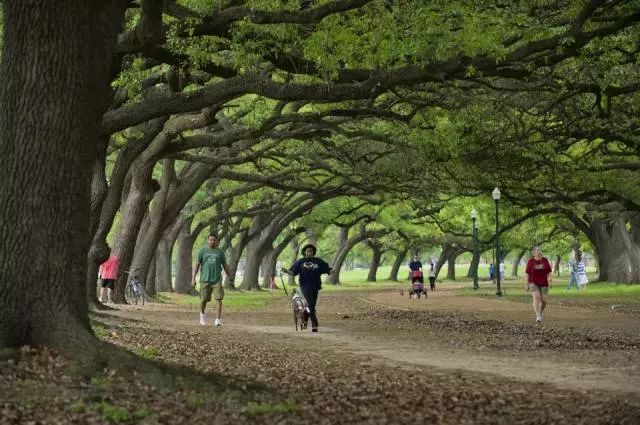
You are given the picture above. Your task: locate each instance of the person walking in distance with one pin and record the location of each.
(432, 276)
(492, 273)
(538, 275)
(581, 270)
(415, 268)
(573, 265)
(211, 261)
(310, 268)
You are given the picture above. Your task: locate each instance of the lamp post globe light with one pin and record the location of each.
(474, 235)
(496, 198)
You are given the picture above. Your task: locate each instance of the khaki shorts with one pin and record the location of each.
(536, 288)
(207, 288)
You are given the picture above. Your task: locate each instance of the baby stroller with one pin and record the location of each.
(417, 285)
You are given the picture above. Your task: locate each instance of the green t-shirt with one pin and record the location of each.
(211, 261)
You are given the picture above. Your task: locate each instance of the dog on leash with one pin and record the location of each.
(300, 310)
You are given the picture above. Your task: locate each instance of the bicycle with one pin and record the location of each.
(134, 291)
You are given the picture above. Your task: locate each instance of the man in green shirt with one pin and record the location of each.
(210, 263)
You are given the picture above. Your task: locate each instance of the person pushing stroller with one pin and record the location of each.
(417, 278)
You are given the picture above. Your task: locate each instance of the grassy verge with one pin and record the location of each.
(597, 294)
(240, 300)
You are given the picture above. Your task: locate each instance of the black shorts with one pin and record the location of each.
(108, 283)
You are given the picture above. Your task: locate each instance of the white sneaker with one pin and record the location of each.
(202, 319)
(100, 299)
(218, 322)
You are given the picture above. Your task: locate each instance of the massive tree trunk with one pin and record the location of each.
(451, 265)
(48, 132)
(473, 266)
(150, 281)
(342, 253)
(99, 190)
(634, 223)
(613, 260)
(395, 268)
(159, 219)
(150, 233)
(184, 258)
(376, 248)
(255, 250)
(447, 250)
(516, 262)
(265, 273)
(163, 265)
(234, 258)
(106, 210)
(336, 263)
(254, 255)
(265, 228)
(138, 198)
(168, 202)
(271, 259)
(295, 248)
(632, 249)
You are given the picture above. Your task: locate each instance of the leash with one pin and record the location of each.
(283, 285)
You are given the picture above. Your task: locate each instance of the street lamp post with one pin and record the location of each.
(496, 197)
(474, 216)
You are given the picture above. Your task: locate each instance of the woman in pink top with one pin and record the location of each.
(108, 274)
(538, 273)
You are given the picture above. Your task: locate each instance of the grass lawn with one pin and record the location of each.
(355, 280)
(597, 294)
(242, 300)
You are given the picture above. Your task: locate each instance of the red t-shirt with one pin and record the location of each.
(538, 271)
(109, 269)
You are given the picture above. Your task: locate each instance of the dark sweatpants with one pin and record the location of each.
(311, 295)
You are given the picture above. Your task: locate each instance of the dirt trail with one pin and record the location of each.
(502, 309)
(613, 370)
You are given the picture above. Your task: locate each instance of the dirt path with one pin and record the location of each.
(502, 309)
(378, 359)
(396, 342)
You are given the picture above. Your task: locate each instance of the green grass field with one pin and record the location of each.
(355, 280)
(596, 293)
(242, 300)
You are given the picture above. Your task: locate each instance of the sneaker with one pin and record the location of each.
(202, 319)
(539, 320)
(218, 322)
(314, 330)
(100, 299)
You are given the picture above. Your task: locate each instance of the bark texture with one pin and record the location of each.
(55, 86)
(397, 263)
(376, 258)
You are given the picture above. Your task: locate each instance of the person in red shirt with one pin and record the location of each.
(108, 273)
(538, 275)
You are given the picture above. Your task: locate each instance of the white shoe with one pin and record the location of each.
(100, 299)
(218, 322)
(202, 319)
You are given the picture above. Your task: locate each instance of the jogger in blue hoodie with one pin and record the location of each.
(309, 268)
